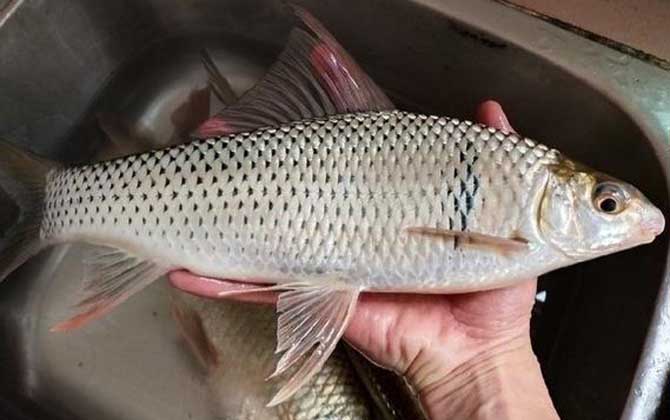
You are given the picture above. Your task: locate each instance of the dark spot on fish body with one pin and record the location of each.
(463, 187)
(469, 203)
(464, 220)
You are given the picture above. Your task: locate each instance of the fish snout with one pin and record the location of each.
(653, 223)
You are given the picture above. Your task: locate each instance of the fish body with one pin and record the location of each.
(313, 184)
(329, 198)
(235, 343)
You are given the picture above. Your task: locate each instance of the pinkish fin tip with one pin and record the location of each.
(214, 127)
(82, 319)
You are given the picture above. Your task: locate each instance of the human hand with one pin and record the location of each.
(466, 355)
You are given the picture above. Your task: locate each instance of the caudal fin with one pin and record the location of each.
(23, 178)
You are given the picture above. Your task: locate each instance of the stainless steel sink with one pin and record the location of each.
(603, 334)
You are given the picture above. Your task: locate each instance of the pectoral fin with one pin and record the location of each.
(504, 246)
(312, 318)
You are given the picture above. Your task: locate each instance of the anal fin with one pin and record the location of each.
(312, 319)
(112, 276)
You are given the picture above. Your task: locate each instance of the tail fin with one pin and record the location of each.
(23, 178)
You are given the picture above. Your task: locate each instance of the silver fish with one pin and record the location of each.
(234, 342)
(313, 184)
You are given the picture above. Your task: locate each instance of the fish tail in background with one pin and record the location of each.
(23, 178)
(389, 391)
(221, 90)
(191, 327)
(218, 83)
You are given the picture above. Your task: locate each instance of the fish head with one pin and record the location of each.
(586, 214)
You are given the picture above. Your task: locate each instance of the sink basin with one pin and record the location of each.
(603, 333)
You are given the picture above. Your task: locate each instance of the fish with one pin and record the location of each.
(315, 186)
(393, 395)
(233, 343)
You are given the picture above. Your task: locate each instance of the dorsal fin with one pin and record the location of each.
(350, 87)
(313, 77)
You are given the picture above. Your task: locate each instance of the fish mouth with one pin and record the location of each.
(647, 239)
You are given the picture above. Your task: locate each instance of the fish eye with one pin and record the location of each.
(609, 198)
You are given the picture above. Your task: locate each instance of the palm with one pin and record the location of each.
(404, 331)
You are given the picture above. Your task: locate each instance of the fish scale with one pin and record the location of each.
(325, 196)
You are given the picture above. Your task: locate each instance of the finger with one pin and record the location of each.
(219, 289)
(491, 113)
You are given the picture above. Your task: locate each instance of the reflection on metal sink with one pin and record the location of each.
(64, 63)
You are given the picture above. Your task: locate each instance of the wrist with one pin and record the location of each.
(502, 382)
